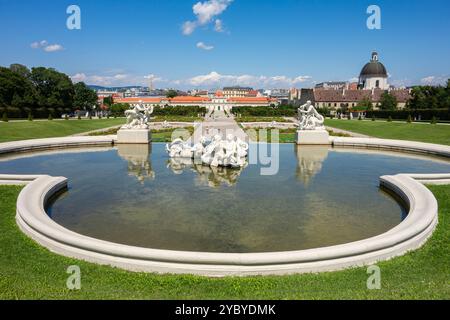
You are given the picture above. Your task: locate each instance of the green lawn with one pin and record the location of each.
(396, 130)
(285, 135)
(22, 130)
(28, 271)
(260, 119)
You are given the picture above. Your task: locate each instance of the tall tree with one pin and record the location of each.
(20, 69)
(388, 102)
(53, 89)
(14, 86)
(84, 97)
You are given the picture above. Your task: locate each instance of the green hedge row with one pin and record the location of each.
(265, 111)
(39, 113)
(186, 111)
(422, 114)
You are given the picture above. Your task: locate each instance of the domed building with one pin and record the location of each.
(373, 75)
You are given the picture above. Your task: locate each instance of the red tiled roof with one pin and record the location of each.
(250, 99)
(330, 95)
(138, 99)
(189, 99)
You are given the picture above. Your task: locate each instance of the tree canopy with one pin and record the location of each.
(388, 102)
(430, 97)
(41, 91)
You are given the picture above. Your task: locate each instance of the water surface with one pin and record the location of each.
(135, 195)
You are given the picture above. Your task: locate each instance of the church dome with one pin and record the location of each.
(374, 68)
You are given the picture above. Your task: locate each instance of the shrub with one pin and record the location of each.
(433, 120)
(423, 114)
(373, 118)
(50, 116)
(5, 117)
(389, 119)
(30, 116)
(66, 117)
(409, 120)
(79, 116)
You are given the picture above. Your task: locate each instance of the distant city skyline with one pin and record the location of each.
(216, 43)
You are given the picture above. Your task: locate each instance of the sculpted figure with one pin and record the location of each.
(138, 117)
(309, 118)
(231, 152)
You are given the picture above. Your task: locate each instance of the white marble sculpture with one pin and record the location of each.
(309, 118)
(138, 117)
(217, 152)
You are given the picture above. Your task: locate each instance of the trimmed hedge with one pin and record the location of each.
(186, 111)
(264, 111)
(38, 113)
(425, 114)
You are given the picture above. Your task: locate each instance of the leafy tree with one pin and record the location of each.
(53, 89)
(14, 86)
(430, 97)
(364, 105)
(84, 97)
(21, 70)
(171, 93)
(388, 102)
(108, 101)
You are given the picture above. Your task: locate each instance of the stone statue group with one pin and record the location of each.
(217, 152)
(138, 117)
(309, 118)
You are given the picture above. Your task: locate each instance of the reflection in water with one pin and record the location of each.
(139, 163)
(309, 161)
(208, 176)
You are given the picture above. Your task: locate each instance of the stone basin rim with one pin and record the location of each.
(408, 235)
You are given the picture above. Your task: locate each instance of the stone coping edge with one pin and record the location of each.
(410, 234)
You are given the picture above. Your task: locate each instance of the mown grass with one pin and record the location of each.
(177, 119)
(423, 132)
(285, 135)
(28, 271)
(260, 119)
(23, 130)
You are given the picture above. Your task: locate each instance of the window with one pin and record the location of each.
(377, 84)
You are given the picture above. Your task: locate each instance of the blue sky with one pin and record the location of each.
(256, 42)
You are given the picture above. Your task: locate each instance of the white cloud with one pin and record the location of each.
(53, 48)
(218, 26)
(203, 46)
(206, 81)
(189, 27)
(154, 78)
(39, 44)
(79, 77)
(120, 79)
(46, 46)
(215, 79)
(434, 80)
(205, 12)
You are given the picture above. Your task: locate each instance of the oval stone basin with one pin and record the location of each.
(136, 195)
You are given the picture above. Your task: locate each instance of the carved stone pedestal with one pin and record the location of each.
(134, 136)
(312, 137)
